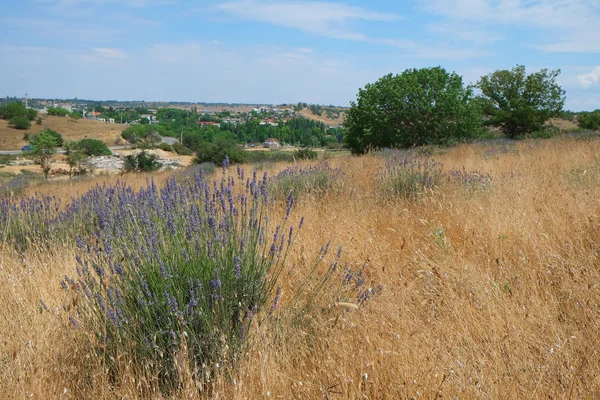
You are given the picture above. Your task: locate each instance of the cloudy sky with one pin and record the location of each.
(264, 51)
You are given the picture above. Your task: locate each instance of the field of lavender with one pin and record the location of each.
(471, 271)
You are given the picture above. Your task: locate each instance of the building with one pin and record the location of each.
(93, 115)
(208, 123)
(272, 143)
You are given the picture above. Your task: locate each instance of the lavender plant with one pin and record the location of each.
(316, 179)
(471, 180)
(406, 175)
(187, 266)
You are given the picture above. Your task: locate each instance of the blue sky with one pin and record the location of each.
(256, 51)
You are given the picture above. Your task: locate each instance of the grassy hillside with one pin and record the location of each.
(12, 139)
(483, 285)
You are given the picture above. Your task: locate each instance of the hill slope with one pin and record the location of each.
(12, 139)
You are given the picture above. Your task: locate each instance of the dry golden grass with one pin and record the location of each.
(12, 139)
(492, 294)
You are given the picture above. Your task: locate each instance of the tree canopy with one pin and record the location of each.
(417, 107)
(519, 103)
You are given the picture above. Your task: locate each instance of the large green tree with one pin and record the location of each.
(519, 103)
(417, 107)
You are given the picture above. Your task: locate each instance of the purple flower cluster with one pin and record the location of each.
(406, 174)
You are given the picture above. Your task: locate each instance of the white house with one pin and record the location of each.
(272, 143)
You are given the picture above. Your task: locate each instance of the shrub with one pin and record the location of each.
(16, 109)
(19, 122)
(305, 154)
(58, 111)
(182, 275)
(589, 120)
(58, 139)
(38, 121)
(407, 175)
(141, 162)
(182, 150)
(217, 151)
(93, 147)
(317, 180)
(165, 147)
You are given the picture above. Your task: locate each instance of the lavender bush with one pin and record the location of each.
(406, 174)
(184, 267)
(471, 180)
(316, 179)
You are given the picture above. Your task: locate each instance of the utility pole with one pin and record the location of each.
(26, 100)
(181, 136)
(121, 115)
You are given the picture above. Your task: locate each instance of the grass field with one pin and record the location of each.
(12, 139)
(490, 288)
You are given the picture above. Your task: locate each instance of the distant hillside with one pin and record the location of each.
(332, 116)
(12, 139)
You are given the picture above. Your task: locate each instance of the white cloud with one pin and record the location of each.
(590, 79)
(570, 26)
(109, 53)
(320, 18)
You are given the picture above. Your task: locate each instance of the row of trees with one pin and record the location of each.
(432, 106)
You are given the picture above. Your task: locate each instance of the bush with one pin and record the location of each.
(589, 120)
(271, 156)
(316, 180)
(19, 122)
(407, 175)
(38, 121)
(57, 137)
(58, 112)
(305, 154)
(182, 150)
(181, 276)
(217, 151)
(141, 162)
(93, 147)
(418, 107)
(16, 109)
(165, 147)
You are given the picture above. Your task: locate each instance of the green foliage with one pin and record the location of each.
(305, 154)
(165, 147)
(521, 104)
(57, 136)
(316, 109)
(19, 122)
(216, 152)
(75, 158)
(38, 121)
(16, 109)
(420, 106)
(589, 120)
(44, 146)
(92, 147)
(182, 150)
(567, 115)
(141, 162)
(58, 112)
(269, 156)
(149, 132)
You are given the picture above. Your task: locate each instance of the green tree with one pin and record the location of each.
(216, 152)
(589, 120)
(417, 107)
(519, 103)
(57, 136)
(19, 122)
(75, 157)
(44, 147)
(92, 147)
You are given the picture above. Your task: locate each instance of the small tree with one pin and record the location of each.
(420, 106)
(75, 157)
(519, 103)
(19, 122)
(44, 147)
(57, 136)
